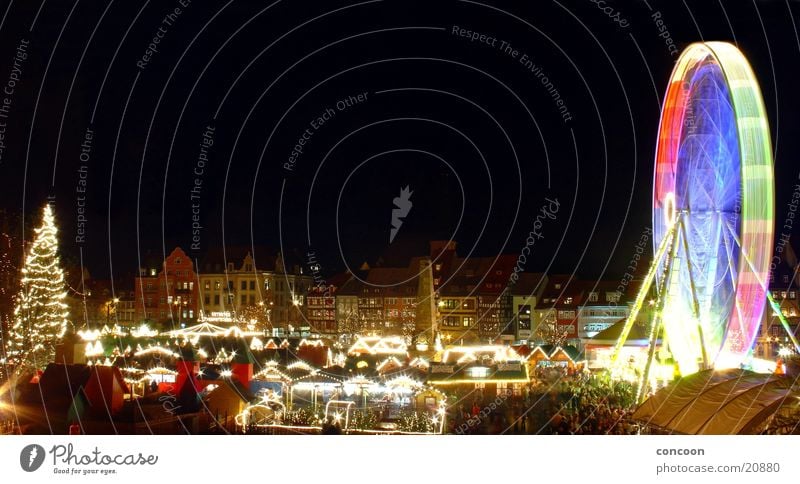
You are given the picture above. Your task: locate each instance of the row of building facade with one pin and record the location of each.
(439, 294)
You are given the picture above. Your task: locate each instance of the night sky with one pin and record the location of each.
(405, 98)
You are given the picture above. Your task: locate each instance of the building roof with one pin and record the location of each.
(59, 378)
(786, 273)
(393, 277)
(215, 259)
(572, 352)
(477, 275)
(351, 287)
(151, 259)
(405, 247)
(454, 373)
(63, 380)
(528, 284)
(603, 289)
(338, 280)
(712, 402)
(559, 287)
(639, 334)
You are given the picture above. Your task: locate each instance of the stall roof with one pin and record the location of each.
(453, 373)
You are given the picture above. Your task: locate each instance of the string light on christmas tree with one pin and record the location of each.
(40, 315)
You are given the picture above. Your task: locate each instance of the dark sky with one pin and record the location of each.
(472, 131)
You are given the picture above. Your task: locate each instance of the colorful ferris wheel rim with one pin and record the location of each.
(713, 179)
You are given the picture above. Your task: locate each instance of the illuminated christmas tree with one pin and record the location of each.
(40, 316)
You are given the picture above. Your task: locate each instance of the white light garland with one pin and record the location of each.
(94, 349)
(144, 331)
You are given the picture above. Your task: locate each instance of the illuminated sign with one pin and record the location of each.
(442, 369)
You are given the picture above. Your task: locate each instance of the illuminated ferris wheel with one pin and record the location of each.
(713, 207)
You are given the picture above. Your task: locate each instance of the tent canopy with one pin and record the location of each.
(718, 402)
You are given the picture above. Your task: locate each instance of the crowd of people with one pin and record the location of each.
(554, 403)
(8, 427)
(592, 404)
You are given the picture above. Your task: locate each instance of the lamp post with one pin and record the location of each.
(265, 315)
(177, 304)
(112, 303)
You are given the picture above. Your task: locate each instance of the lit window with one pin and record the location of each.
(478, 371)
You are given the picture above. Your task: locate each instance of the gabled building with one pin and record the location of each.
(348, 317)
(784, 285)
(234, 281)
(397, 288)
(474, 303)
(602, 306)
(167, 293)
(321, 305)
(495, 314)
(557, 311)
(436, 295)
(525, 296)
(255, 283)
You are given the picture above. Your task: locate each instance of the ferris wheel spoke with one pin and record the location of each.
(734, 275)
(693, 289)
